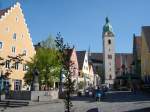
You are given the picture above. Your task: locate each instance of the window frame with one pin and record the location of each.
(14, 36)
(2, 45)
(109, 41)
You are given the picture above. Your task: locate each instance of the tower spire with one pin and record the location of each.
(107, 20)
(107, 27)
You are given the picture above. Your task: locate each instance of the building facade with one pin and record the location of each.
(145, 54)
(108, 53)
(137, 55)
(74, 69)
(86, 74)
(14, 40)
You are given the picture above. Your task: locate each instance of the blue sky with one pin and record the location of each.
(80, 21)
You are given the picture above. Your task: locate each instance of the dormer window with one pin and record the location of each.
(14, 36)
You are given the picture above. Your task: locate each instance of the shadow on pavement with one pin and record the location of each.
(83, 98)
(140, 110)
(93, 110)
(117, 96)
(126, 96)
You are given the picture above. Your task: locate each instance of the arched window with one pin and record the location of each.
(109, 41)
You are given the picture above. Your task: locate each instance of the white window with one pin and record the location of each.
(7, 64)
(17, 65)
(1, 45)
(14, 36)
(25, 67)
(17, 85)
(13, 49)
(25, 52)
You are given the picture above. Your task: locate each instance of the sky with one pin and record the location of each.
(80, 22)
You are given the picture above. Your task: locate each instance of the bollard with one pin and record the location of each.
(38, 98)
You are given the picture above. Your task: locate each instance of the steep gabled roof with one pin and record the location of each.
(137, 46)
(146, 32)
(96, 57)
(3, 11)
(80, 57)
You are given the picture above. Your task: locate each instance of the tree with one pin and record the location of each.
(49, 43)
(67, 69)
(48, 65)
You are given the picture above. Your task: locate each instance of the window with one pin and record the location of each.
(96, 68)
(17, 65)
(22, 35)
(86, 68)
(86, 61)
(14, 36)
(110, 63)
(17, 18)
(17, 85)
(110, 77)
(7, 29)
(13, 49)
(109, 69)
(109, 56)
(109, 41)
(1, 45)
(25, 52)
(7, 64)
(25, 67)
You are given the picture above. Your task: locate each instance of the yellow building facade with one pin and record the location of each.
(15, 39)
(145, 54)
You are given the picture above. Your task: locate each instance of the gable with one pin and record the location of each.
(13, 22)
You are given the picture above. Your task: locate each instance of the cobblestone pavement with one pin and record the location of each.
(114, 102)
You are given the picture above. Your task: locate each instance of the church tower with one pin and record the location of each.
(108, 53)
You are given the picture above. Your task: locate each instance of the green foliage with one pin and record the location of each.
(67, 69)
(47, 63)
(49, 43)
(81, 85)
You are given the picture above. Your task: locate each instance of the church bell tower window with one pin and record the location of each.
(109, 41)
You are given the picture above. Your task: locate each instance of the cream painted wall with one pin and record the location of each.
(13, 22)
